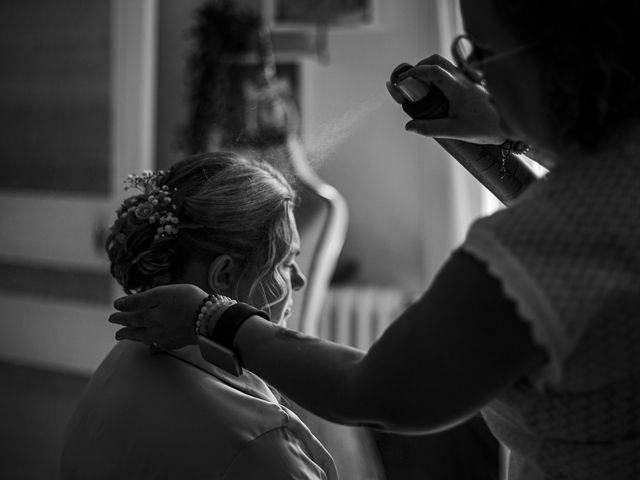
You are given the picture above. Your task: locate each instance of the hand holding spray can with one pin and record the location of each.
(501, 172)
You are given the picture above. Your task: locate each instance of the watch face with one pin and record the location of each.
(220, 356)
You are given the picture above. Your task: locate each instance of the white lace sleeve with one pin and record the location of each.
(532, 304)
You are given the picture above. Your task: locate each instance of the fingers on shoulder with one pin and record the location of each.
(131, 319)
(138, 301)
(134, 334)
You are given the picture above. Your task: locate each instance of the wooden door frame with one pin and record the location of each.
(63, 332)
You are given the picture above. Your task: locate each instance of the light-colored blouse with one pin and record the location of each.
(161, 416)
(568, 254)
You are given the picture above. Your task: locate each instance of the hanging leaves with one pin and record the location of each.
(220, 31)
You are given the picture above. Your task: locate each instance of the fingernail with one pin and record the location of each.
(119, 303)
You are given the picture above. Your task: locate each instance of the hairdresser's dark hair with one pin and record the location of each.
(226, 204)
(589, 59)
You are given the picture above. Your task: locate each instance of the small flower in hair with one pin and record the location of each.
(155, 204)
(144, 210)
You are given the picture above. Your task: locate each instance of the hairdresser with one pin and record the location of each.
(534, 320)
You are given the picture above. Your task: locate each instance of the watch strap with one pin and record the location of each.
(231, 320)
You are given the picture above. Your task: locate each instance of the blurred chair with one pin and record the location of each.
(322, 218)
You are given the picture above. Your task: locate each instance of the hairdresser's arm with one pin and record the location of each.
(441, 361)
(471, 117)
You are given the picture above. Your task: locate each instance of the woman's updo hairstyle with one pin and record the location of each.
(225, 204)
(590, 70)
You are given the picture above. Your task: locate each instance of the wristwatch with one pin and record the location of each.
(219, 356)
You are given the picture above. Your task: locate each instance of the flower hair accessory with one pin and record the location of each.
(155, 204)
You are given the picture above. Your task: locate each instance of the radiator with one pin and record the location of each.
(357, 315)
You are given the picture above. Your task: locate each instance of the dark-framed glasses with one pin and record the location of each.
(470, 58)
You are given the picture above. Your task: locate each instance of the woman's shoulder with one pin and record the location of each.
(133, 378)
(135, 387)
(156, 409)
(582, 199)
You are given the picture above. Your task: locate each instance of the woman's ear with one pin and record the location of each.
(222, 274)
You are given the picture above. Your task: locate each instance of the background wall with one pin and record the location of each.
(408, 201)
(397, 184)
(400, 188)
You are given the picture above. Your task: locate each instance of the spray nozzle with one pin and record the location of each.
(399, 70)
(422, 100)
(412, 89)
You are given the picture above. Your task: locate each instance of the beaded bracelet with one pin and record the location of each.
(201, 316)
(520, 148)
(517, 147)
(508, 147)
(206, 310)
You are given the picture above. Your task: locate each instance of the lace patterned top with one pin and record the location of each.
(568, 254)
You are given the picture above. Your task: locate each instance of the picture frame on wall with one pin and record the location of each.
(311, 13)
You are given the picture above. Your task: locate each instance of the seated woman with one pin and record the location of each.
(224, 223)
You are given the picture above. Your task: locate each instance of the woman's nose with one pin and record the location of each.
(298, 280)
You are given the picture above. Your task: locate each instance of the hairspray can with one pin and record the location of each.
(504, 176)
